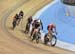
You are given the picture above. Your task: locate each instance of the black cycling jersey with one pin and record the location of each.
(17, 17)
(30, 19)
(37, 25)
(21, 13)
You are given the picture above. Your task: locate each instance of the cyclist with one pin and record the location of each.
(29, 21)
(21, 14)
(48, 36)
(15, 20)
(51, 29)
(37, 24)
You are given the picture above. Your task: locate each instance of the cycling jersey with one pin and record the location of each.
(50, 27)
(16, 17)
(30, 19)
(21, 13)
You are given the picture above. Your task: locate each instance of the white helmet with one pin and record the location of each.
(38, 20)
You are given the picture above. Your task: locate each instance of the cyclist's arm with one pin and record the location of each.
(55, 30)
(42, 25)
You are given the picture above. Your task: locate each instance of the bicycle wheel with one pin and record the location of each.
(37, 40)
(38, 37)
(46, 40)
(53, 41)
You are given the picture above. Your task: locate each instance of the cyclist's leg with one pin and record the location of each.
(34, 34)
(20, 17)
(18, 21)
(37, 35)
(32, 31)
(50, 35)
(34, 37)
(26, 28)
(46, 39)
(14, 24)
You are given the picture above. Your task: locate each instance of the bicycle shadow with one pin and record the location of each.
(23, 31)
(11, 28)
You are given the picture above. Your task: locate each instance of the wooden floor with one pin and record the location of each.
(15, 41)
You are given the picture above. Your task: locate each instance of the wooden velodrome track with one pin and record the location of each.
(15, 41)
